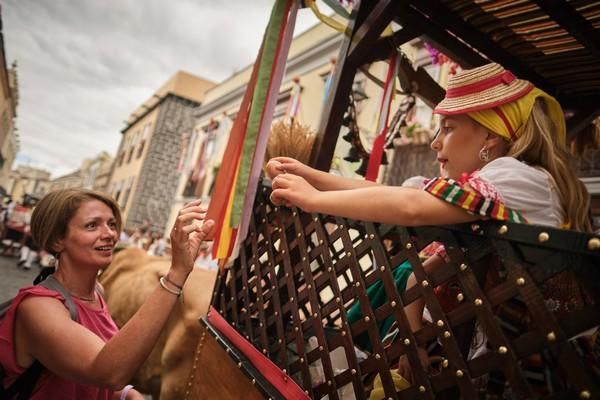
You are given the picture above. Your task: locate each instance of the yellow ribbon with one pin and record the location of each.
(516, 113)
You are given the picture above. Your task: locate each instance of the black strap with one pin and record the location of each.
(24, 384)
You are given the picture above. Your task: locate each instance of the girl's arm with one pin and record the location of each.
(386, 204)
(319, 179)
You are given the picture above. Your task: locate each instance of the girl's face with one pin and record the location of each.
(457, 145)
(91, 236)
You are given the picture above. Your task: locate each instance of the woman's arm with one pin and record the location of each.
(319, 179)
(386, 204)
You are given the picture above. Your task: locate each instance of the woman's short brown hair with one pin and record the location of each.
(53, 213)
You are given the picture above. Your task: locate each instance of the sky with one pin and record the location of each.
(85, 65)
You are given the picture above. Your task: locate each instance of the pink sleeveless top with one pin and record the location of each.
(51, 386)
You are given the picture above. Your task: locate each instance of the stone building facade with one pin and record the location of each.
(157, 183)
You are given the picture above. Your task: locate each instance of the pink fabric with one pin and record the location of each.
(51, 386)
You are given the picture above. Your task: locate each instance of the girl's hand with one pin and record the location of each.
(187, 234)
(282, 165)
(293, 190)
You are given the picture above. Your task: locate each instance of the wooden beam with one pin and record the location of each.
(370, 30)
(574, 23)
(466, 56)
(339, 92)
(420, 83)
(382, 47)
(438, 14)
(581, 119)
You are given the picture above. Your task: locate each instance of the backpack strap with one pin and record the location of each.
(51, 283)
(24, 384)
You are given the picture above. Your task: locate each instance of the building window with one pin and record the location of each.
(127, 192)
(141, 148)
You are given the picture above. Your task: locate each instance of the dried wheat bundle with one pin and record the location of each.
(290, 139)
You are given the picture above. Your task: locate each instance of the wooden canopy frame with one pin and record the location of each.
(553, 43)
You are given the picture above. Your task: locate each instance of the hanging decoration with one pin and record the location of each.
(357, 150)
(237, 179)
(439, 58)
(384, 112)
(293, 106)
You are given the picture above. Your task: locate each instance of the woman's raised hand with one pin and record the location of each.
(282, 165)
(187, 234)
(294, 190)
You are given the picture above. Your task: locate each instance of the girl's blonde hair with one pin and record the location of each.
(537, 147)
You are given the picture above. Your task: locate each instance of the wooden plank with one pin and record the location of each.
(369, 31)
(335, 105)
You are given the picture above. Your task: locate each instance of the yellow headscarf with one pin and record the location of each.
(509, 119)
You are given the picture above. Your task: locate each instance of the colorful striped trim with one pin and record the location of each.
(473, 202)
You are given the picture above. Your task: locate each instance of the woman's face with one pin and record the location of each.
(91, 235)
(457, 145)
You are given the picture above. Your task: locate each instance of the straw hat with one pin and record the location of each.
(481, 88)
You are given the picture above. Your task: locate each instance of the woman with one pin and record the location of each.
(89, 359)
(502, 155)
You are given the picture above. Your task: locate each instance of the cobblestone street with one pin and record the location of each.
(14, 278)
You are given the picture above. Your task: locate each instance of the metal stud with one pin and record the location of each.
(283, 251)
(543, 237)
(460, 297)
(478, 302)
(315, 315)
(377, 356)
(301, 360)
(367, 319)
(422, 389)
(459, 373)
(406, 341)
(357, 284)
(253, 381)
(328, 383)
(353, 371)
(474, 227)
(425, 283)
(299, 234)
(338, 300)
(316, 219)
(520, 281)
(503, 229)
(594, 243)
(393, 304)
(502, 350)
(320, 348)
(551, 336)
(445, 363)
(440, 323)
(309, 286)
(329, 269)
(371, 236)
(409, 245)
(447, 334)
(382, 268)
(240, 364)
(463, 267)
(291, 299)
(585, 394)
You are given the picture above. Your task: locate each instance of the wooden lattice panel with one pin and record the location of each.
(297, 275)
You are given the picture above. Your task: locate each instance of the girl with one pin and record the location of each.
(502, 155)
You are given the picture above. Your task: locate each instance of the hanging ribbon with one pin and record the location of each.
(332, 23)
(294, 102)
(235, 186)
(269, 80)
(384, 112)
(220, 204)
